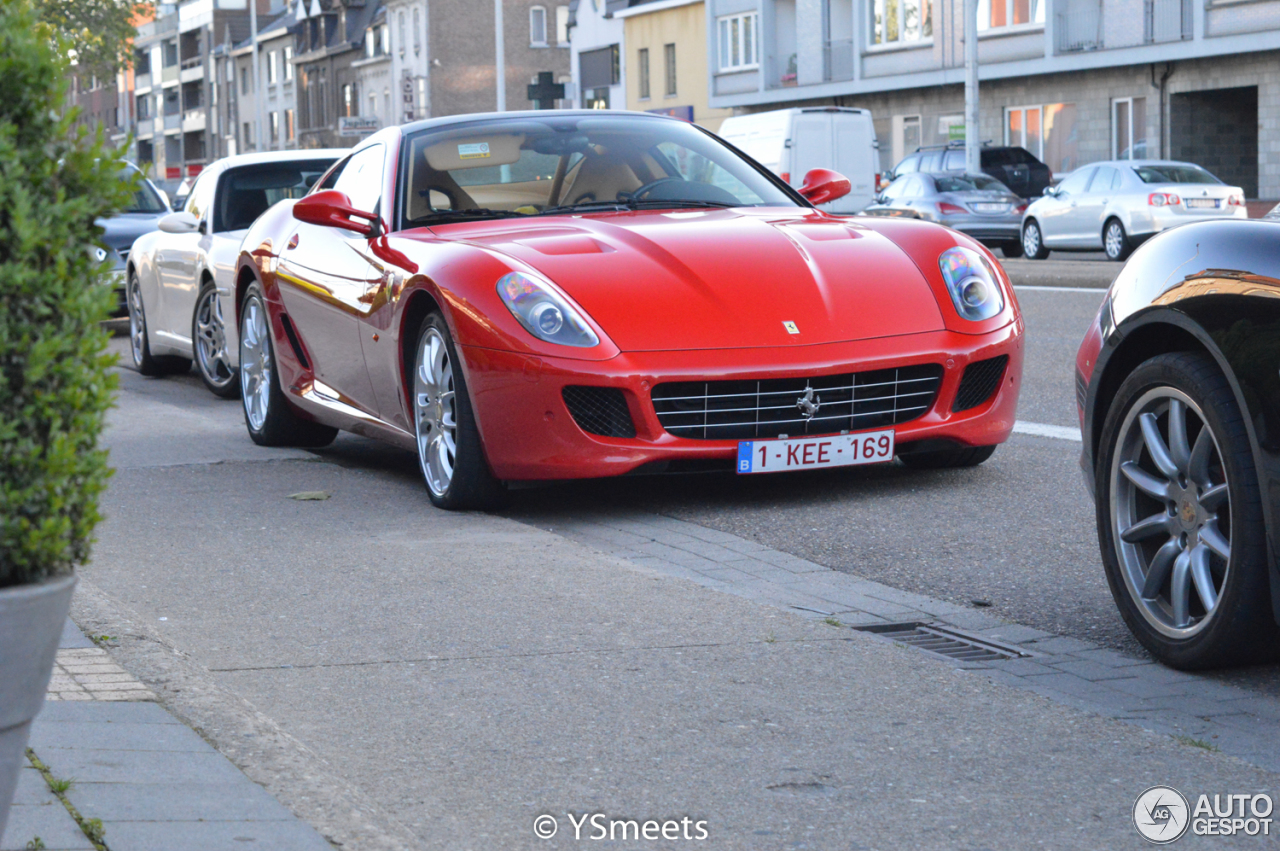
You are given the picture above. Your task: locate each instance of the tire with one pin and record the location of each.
(1188, 603)
(146, 363)
(1033, 241)
(450, 452)
(967, 456)
(1115, 242)
(1012, 249)
(270, 418)
(209, 344)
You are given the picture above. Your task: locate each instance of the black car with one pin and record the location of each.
(1017, 168)
(146, 208)
(1178, 385)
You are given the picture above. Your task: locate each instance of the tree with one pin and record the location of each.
(99, 33)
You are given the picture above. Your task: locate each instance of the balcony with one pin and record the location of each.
(1101, 28)
(192, 69)
(193, 121)
(780, 73)
(172, 123)
(837, 61)
(142, 83)
(169, 74)
(146, 128)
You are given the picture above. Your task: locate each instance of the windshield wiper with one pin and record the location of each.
(626, 206)
(478, 213)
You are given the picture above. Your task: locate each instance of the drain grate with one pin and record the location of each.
(945, 642)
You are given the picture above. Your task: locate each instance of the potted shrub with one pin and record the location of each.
(55, 387)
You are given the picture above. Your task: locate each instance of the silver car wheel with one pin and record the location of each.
(434, 409)
(211, 340)
(255, 363)
(1113, 239)
(1031, 240)
(1171, 512)
(137, 321)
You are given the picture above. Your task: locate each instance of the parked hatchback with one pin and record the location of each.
(1017, 168)
(1116, 205)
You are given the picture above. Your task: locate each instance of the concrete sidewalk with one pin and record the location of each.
(109, 768)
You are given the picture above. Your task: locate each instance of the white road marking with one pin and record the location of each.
(1046, 430)
(1039, 289)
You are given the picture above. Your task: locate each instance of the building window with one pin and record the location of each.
(562, 26)
(275, 127)
(669, 63)
(248, 135)
(993, 14)
(244, 82)
(373, 103)
(737, 37)
(288, 64)
(370, 44)
(1129, 129)
(1047, 131)
(417, 33)
(896, 21)
(400, 33)
(384, 43)
(386, 102)
(288, 124)
(422, 98)
(643, 63)
(348, 100)
(273, 67)
(537, 26)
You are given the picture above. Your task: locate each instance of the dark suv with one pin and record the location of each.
(1015, 167)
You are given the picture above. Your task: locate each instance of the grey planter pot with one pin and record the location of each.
(31, 619)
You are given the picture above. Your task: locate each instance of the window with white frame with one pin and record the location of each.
(1047, 131)
(384, 40)
(737, 41)
(417, 33)
(1129, 129)
(288, 64)
(273, 67)
(562, 26)
(642, 61)
(994, 14)
(901, 21)
(401, 35)
(537, 26)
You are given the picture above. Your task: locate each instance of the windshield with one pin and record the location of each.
(249, 191)
(969, 183)
(531, 166)
(1175, 174)
(144, 199)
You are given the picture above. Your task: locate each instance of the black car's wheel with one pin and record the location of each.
(267, 413)
(1115, 241)
(1033, 241)
(139, 346)
(450, 453)
(209, 344)
(1012, 248)
(1180, 520)
(961, 456)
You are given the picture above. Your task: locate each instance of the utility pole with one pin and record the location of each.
(500, 66)
(972, 145)
(259, 136)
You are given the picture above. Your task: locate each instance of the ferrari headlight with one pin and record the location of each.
(972, 283)
(543, 313)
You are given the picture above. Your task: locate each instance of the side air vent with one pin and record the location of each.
(293, 341)
(981, 379)
(600, 410)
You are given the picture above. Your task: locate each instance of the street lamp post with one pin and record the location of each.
(500, 65)
(972, 145)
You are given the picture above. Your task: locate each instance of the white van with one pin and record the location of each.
(790, 142)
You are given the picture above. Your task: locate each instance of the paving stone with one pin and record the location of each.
(245, 801)
(1014, 633)
(214, 835)
(715, 552)
(142, 713)
(1024, 667)
(762, 569)
(1146, 688)
(124, 766)
(728, 574)
(790, 562)
(72, 637)
(972, 621)
(742, 545)
(1091, 670)
(50, 821)
(102, 735)
(31, 788)
(712, 536)
(1110, 657)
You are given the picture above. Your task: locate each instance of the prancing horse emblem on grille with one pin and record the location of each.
(808, 403)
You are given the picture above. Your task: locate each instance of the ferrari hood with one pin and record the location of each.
(723, 278)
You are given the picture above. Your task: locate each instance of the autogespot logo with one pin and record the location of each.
(1161, 815)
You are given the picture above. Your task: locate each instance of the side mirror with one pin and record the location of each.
(333, 209)
(822, 185)
(182, 222)
(1050, 190)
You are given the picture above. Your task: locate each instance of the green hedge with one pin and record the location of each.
(55, 383)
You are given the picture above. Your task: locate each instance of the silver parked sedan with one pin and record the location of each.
(1116, 205)
(974, 204)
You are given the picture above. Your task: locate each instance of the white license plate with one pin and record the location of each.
(990, 208)
(1209, 203)
(805, 453)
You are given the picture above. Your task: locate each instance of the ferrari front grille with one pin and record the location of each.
(979, 382)
(599, 410)
(771, 407)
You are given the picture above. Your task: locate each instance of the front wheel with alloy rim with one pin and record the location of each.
(1033, 241)
(450, 453)
(139, 345)
(1180, 517)
(267, 414)
(1115, 241)
(209, 340)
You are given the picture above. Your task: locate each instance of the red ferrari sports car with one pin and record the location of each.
(554, 295)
